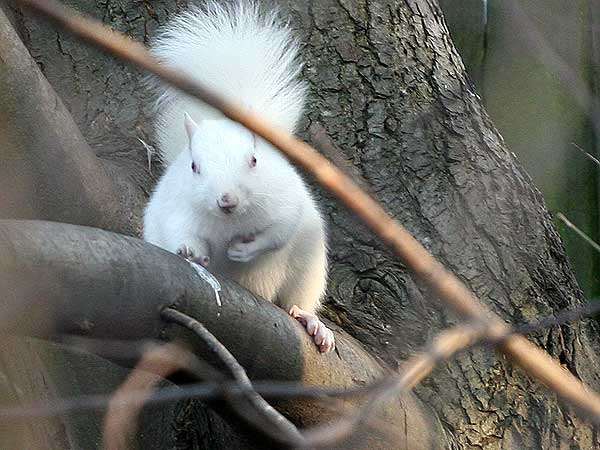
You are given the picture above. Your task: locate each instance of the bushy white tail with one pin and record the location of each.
(239, 51)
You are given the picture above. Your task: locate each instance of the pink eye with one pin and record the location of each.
(253, 161)
(195, 168)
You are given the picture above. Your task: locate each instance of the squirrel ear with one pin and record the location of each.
(190, 126)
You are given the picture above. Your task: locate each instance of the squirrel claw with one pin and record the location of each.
(186, 252)
(204, 261)
(242, 249)
(322, 336)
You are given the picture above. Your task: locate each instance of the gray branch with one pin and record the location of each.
(47, 169)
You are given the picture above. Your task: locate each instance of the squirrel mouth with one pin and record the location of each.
(226, 209)
(227, 203)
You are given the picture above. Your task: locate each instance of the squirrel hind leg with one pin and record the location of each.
(306, 282)
(321, 335)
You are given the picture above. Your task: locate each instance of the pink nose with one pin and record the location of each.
(227, 202)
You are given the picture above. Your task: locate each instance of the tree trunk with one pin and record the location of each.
(389, 87)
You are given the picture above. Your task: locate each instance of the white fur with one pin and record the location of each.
(244, 54)
(251, 58)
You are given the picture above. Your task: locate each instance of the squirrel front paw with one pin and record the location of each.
(243, 248)
(188, 253)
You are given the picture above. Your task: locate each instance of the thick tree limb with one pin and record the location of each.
(60, 278)
(47, 170)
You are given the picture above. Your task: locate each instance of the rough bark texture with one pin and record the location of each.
(402, 107)
(389, 87)
(468, 24)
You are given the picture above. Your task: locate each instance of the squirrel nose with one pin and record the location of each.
(228, 202)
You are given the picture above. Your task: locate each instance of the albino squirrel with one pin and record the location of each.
(228, 200)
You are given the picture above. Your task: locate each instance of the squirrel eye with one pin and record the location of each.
(253, 161)
(194, 167)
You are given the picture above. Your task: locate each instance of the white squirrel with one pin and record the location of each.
(227, 198)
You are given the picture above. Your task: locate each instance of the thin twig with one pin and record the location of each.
(210, 390)
(562, 317)
(214, 389)
(444, 285)
(443, 348)
(283, 430)
(573, 227)
(415, 369)
(121, 418)
(587, 154)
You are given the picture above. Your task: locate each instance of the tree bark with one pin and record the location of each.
(389, 87)
(47, 169)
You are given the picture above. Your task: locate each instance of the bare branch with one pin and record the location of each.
(444, 346)
(587, 154)
(273, 423)
(562, 317)
(573, 227)
(208, 390)
(121, 418)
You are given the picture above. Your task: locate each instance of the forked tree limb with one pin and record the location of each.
(59, 278)
(256, 410)
(449, 289)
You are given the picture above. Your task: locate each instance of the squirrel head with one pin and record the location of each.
(228, 167)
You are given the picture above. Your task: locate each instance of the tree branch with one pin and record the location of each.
(259, 412)
(121, 417)
(47, 169)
